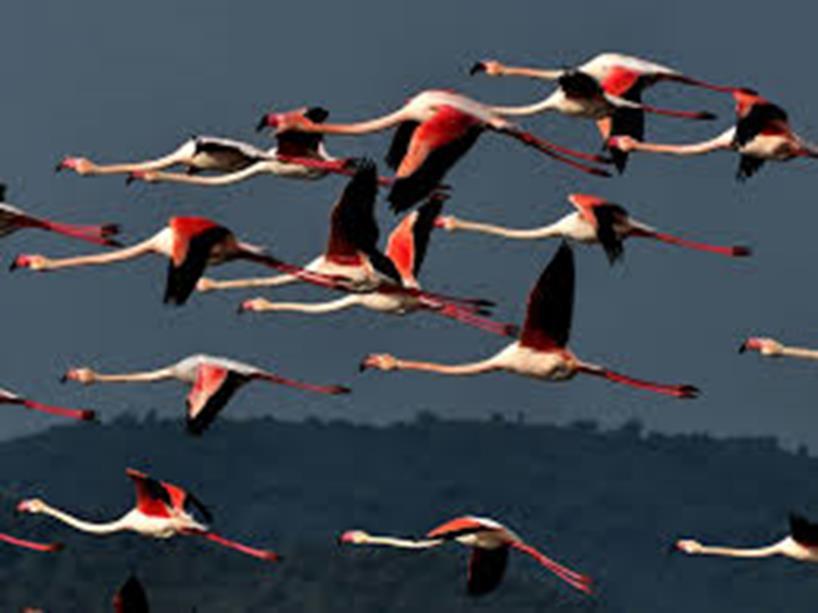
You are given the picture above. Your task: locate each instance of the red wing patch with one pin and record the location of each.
(152, 498)
(620, 81)
(400, 248)
(209, 379)
(585, 203)
(446, 126)
(184, 229)
(456, 526)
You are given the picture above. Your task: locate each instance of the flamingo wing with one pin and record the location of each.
(759, 118)
(194, 240)
(218, 145)
(131, 597)
(151, 496)
(400, 143)
(550, 304)
(803, 531)
(353, 228)
(409, 241)
(436, 145)
(486, 569)
(748, 165)
(211, 391)
(577, 84)
(3, 190)
(295, 143)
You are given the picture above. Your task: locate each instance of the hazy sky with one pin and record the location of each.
(116, 84)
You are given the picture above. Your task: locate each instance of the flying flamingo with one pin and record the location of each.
(435, 129)
(406, 250)
(131, 597)
(762, 132)
(541, 351)
(214, 380)
(7, 397)
(26, 544)
(296, 155)
(490, 542)
(595, 220)
(801, 544)
(351, 253)
(163, 510)
(769, 347)
(191, 244)
(607, 88)
(13, 219)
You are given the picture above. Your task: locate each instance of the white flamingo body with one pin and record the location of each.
(601, 66)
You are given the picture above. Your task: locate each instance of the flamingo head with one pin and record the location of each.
(490, 67)
(353, 537)
(79, 165)
(379, 361)
(688, 546)
(148, 176)
(291, 120)
(31, 505)
(765, 346)
(446, 222)
(253, 305)
(85, 376)
(26, 260)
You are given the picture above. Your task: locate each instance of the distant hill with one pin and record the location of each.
(605, 503)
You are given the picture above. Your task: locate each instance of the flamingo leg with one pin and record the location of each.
(43, 547)
(80, 414)
(262, 554)
(573, 578)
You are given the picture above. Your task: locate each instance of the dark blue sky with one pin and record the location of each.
(94, 79)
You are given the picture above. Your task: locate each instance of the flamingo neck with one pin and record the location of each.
(118, 525)
(457, 370)
(128, 253)
(136, 377)
(722, 141)
(542, 106)
(732, 552)
(363, 127)
(391, 541)
(799, 352)
(550, 231)
(533, 73)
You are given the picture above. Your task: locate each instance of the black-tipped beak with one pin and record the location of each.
(129, 179)
(476, 68)
(362, 365)
(13, 266)
(671, 549)
(742, 348)
(262, 124)
(58, 167)
(64, 379)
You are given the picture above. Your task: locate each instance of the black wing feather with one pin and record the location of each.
(486, 569)
(760, 115)
(748, 165)
(181, 280)
(352, 222)
(407, 191)
(627, 122)
(3, 188)
(131, 597)
(803, 531)
(400, 143)
(301, 144)
(198, 424)
(422, 229)
(577, 84)
(607, 217)
(551, 304)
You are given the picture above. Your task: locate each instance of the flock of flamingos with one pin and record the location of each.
(433, 130)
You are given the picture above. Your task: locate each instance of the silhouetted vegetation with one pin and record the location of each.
(605, 503)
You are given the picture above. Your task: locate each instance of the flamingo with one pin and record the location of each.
(7, 397)
(131, 597)
(490, 542)
(762, 132)
(770, 347)
(541, 351)
(162, 510)
(435, 129)
(801, 544)
(296, 155)
(351, 253)
(32, 545)
(12, 219)
(595, 220)
(406, 250)
(214, 380)
(607, 88)
(191, 244)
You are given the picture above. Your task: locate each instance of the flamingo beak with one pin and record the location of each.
(742, 348)
(267, 121)
(476, 68)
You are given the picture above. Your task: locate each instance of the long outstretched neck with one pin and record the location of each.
(363, 127)
(732, 552)
(392, 541)
(18, 542)
(108, 257)
(101, 529)
(532, 73)
(677, 391)
(317, 308)
(573, 578)
(541, 106)
(135, 377)
(176, 157)
(550, 231)
(799, 352)
(80, 414)
(457, 370)
(221, 179)
(262, 554)
(723, 141)
(308, 387)
(213, 284)
(730, 251)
